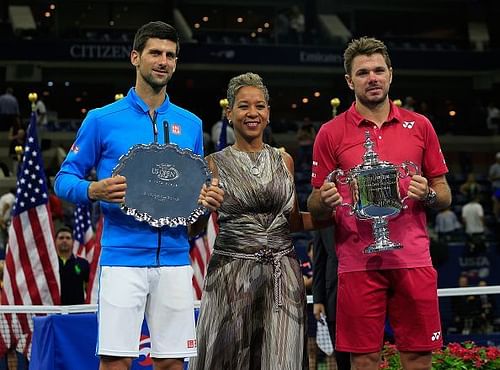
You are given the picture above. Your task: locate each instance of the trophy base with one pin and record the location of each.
(382, 247)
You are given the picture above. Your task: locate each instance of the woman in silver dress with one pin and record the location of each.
(253, 310)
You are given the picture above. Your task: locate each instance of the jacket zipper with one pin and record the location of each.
(155, 140)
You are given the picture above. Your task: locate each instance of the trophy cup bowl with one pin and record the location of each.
(374, 188)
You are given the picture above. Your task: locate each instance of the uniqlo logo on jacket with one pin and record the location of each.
(176, 129)
(191, 343)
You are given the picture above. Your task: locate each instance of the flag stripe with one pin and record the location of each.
(22, 231)
(94, 256)
(35, 247)
(11, 292)
(47, 254)
(200, 253)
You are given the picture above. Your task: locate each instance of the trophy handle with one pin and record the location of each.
(406, 166)
(338, 176)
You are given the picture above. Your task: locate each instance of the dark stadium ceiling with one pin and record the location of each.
(338, 4)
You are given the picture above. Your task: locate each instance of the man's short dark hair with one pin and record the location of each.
(157, 30)
(64, 229)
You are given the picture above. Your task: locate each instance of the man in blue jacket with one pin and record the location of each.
(144, 270)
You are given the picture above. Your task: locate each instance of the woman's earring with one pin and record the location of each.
(229, 122)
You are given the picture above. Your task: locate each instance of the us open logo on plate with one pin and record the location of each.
(165, 172)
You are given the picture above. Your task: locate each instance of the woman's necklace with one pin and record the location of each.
(255, 165)
(255, 168)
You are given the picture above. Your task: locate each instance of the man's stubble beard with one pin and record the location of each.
(154, 83)
(372, 103)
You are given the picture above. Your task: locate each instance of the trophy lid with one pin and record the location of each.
(370, 157)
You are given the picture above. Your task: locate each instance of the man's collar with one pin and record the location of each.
(394, 114)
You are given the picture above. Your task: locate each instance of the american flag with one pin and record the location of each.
(31, 272)
(87, 244)
(200, 252)
(93, 256)
(83, 235)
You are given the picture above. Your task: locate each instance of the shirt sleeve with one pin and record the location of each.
(71, 183)
(433, 164)
(323, 158)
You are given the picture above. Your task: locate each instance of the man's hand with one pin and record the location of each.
(329, 195)
(211, 196)
(322, 202)
(110, 190)
(419, 188)
(318, 309)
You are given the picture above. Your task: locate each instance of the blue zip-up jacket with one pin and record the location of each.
(105, 135)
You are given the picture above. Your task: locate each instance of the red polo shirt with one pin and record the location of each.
(405, 136)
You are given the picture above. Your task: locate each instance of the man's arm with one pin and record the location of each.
(421, 189)
(110, 190)
(71, 183)
(322, 202)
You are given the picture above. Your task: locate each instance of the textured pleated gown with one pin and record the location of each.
(240, 326)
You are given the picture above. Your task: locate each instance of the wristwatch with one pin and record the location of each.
(430, 198)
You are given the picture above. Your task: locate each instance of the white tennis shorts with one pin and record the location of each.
(164, 295)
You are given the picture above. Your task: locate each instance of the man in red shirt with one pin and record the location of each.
(402, 283)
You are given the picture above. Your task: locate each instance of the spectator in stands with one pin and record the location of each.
(268, 136)
(41, 114)
(423, 108)
(446, 224)
(216, 130)
(73, 270)
(17, 136)
(9, 109)
(493, 118)
(325, 290)
(253, 304)
(53, 157)
(281, 28)
(486, 311)
(470, 188)
(365, 280)
(144, 270)
(297, 23)
(56, 207)
(473, 220)
(465, 308)
(305, 139)
(409, 103)
(6, 203)
(494, 177)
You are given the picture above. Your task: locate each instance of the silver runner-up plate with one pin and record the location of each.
(163, 184)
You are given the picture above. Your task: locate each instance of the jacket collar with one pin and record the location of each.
(136, 101)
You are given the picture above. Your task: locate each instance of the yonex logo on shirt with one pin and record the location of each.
(408, 124)
(435, 336)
